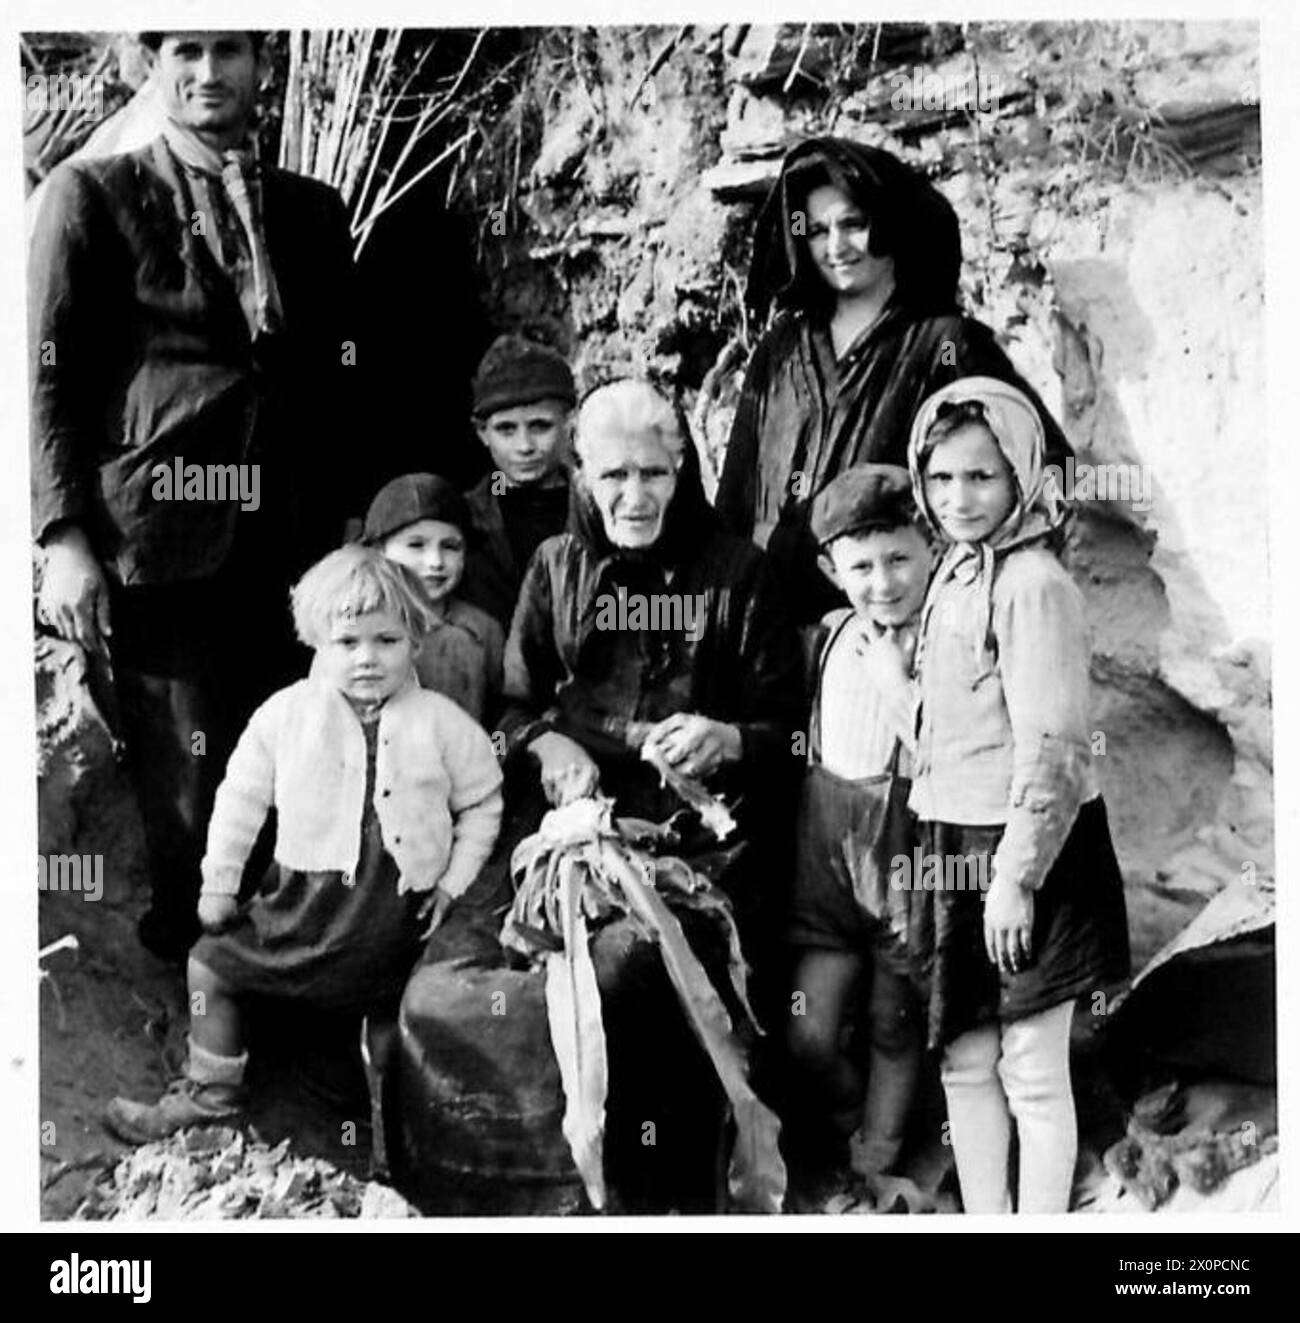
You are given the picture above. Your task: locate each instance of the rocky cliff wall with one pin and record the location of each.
(1110, 199)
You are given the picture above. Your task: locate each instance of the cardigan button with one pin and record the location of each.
(386, 792)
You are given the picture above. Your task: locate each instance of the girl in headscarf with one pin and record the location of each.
(860, 255)
(1004, 785)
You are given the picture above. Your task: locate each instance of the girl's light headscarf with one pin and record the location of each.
(1017, 428)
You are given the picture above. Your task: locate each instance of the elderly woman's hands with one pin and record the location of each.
(694, 745)
(566, 768)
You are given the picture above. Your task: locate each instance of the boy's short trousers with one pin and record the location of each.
(839, 822)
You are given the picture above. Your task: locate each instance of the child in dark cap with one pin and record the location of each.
(421, 521)
(847, 925)
(524, 395)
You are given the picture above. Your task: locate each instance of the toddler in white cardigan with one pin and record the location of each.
(388, 802)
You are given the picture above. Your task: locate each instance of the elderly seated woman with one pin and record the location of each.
(645, 627)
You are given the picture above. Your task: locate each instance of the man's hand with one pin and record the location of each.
(568, 771)
(694, 745)
(74, 592)
(432, 912)
(215, 912)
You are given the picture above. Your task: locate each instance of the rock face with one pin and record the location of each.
(84, 802)
(1107, 180)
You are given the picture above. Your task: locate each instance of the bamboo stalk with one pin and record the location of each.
(291, 119)
(383, 77)
(352, 103)
(411, 183)
(335, 50)
(351, 143)
(376, 155)
(797, 67)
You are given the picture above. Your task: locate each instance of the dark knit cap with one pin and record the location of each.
(863, 497)
(517, 371)
(409, 498)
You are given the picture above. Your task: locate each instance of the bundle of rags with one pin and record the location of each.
(579, 870)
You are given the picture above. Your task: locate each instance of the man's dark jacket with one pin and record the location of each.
(140, 354)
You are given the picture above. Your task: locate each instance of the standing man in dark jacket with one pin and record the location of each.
(192, 352)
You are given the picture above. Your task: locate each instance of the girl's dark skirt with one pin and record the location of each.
(1080, 936)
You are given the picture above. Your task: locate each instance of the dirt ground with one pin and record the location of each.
(113, 1020)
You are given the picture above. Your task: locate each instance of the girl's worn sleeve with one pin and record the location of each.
(242, 802)
(475, 800)
(1043, 656)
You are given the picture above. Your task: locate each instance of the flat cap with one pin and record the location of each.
(863, 497)
(412, 497)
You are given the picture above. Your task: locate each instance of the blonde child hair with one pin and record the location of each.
(353, 581)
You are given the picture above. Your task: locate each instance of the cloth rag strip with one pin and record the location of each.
(235, 171)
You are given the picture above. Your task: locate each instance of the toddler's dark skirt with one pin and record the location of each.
(308, 937)
(340, 944)
(1080, 937)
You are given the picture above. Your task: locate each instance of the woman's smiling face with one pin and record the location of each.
(839, 236)
(968, 484)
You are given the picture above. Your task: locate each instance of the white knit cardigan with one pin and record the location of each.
(437, 789)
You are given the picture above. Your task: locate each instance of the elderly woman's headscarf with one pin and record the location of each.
(1017, 428)
(688, 521)
(909, 218)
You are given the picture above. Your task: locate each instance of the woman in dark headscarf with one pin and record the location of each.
(711, 683)
(860, 255)
(717, 694)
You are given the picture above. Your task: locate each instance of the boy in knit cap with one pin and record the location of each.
(848, 926)
(524, 395)
(421, 521)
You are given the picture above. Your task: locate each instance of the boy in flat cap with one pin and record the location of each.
(421, 521)
(524, 396)
(847, 924)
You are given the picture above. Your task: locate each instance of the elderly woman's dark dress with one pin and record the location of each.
(594, 685)
(804, 416)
